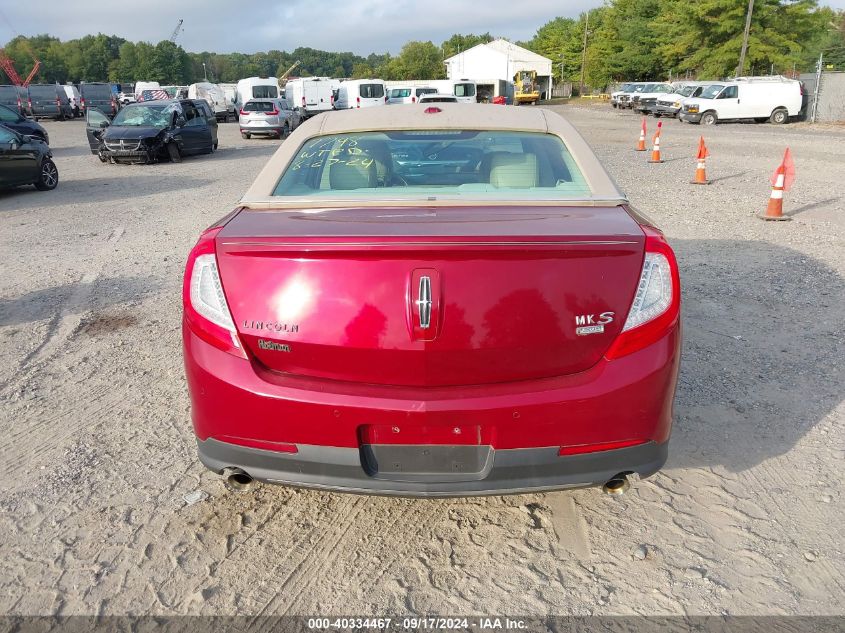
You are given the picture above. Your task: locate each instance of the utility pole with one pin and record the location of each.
(745, 38)
(584, 55)
(204, 71)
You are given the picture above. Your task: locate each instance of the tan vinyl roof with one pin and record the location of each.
(452, 116)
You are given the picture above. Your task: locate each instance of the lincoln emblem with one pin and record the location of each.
(424, 302)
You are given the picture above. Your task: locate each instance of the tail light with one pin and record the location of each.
(243, 112)
(20, 105)
(331, 100)
(203, 300)
(58, 103)
(114, 105)
(273, 112)
(29, 103)
(413, 99)
(358, 99)
(82, 103)
(303, 101)
(581, 449)
(656, 306)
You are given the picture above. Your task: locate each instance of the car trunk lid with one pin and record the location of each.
(430, 296)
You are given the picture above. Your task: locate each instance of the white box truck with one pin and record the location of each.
(311, 95)
(360, 93)
(775, 98)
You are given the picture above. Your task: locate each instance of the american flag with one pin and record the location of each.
(153, 95)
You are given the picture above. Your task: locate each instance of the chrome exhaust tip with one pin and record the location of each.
(617, 485)
(237, 479)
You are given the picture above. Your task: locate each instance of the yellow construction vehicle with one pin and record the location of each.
(525, 87)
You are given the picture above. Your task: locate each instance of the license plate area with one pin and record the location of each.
(427, 462)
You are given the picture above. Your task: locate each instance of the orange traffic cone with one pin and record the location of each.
(655, 152)
(781, 181)
(701, 157)
(641, 144)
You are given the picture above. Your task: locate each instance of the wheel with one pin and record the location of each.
(779, 116)
(214, 146)
(656, 115)
(245, 135)
(49, 177)
(173, 153)
(285, 131)
(102, 158)
(709, 118)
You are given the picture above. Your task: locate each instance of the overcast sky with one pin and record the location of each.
(360, 26)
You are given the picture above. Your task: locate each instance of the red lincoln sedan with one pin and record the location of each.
(428, 301)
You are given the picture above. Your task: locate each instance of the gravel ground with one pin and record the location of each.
(97, 445)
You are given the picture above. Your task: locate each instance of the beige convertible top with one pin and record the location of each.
(452, 116)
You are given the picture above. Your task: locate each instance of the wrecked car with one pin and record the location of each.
(147, 132)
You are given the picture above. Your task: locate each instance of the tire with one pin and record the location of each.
(656, 115)
(709, 118)
(49, 177)
(285, 131)
(779, 116)
(173, 153)
(214, 146)
(245, 135)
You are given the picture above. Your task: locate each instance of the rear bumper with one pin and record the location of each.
(507, 471)
(240, 409)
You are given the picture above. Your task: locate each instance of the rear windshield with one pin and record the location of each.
(101, 91)
(259, 106)
(425, 91)
(265, 92)
(371, 91)
(440, 99)
(464, 90)
(420, 164)
(400, 93)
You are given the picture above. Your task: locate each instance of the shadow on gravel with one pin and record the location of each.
(77, 297)
(762, 355)
(118, 183)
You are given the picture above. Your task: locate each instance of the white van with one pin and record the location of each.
(311, 95)
(360, 93)
(774, 98)
(213, 96)
(255, 88)
(464, 89)
(73, 97)
(407, 94)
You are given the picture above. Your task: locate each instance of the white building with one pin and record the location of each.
(494, 64)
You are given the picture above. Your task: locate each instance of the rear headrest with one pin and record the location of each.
(514, 171)
(354, 171)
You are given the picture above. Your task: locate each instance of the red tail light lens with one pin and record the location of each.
(82, 103)
(203, 300)
(413, 99)
(303, 102)
(656, 305)
(243, 112)
(358, 99)
(272, 113)
(29, 102)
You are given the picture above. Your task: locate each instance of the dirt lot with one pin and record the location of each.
(97, 448)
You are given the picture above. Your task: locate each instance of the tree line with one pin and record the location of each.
(624, 39)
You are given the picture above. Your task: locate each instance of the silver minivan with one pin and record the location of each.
(268, 117)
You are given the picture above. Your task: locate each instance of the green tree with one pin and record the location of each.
(417, 60)
(459, 43)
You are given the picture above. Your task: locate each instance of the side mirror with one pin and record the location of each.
(13, 145)
(179, 121)
(104, 124)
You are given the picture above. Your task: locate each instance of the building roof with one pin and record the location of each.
(514, 52)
